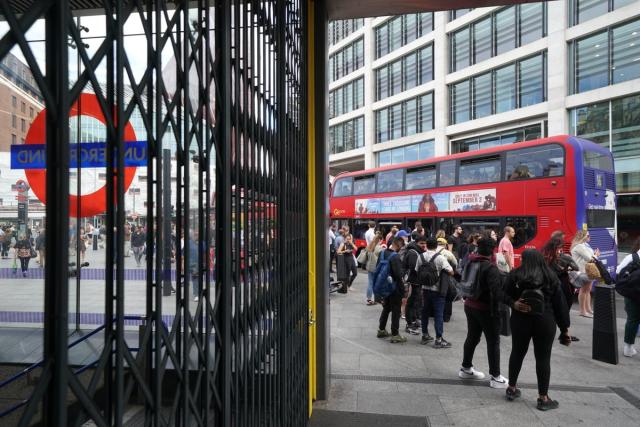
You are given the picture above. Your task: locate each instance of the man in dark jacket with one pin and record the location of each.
(414, 304)
(393, 303)
(483, 316)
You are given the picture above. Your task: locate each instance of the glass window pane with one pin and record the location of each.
(482, 40)
(447, 173)
(359, 95)
(339, 102)
(626, 126)
(531, 22)
(410, 71)
(427, 150)
(510, 138)
(396, 121)
(395, 78)
(397, 155)
(535, 162)
(426, 112)
(460, 49)
(411, 27)
(382, 41)
(418, 179)
(476, 171)
(626, 52)
(348, 97)
(342, 187)
(384, 158)
(589, 9)
(364, 185)
(382, 125)
(482, 95)
(349, 136)
(332, 110)
(359, 53)
(460, 102)
(505, 88)
(390, 181)
(411, 153)
(531, 81)
(505, 30)
(426, 23)
(382, 86)
(617, 4)
(592, 69)
(592, 122)
(525, 228)
(395, 33)
(489, 141)
(426, 65)
(339, 134)
(410, 116)
(532, 132)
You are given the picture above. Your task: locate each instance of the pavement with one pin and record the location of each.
(413, 385)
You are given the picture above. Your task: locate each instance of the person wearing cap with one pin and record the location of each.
(442, 248)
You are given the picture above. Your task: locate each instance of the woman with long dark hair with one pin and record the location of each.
(561, 264)
(347, 249)
(533, 291)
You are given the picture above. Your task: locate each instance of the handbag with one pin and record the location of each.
(362, 257)
(33, 253)
(578, 279)
(592, 271)
(502, 263)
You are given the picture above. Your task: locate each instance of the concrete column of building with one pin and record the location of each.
(440, 95)
(369, 95)
(557, 68)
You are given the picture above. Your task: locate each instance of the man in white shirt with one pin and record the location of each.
(371, 232)
(432, 300)
(631, 307)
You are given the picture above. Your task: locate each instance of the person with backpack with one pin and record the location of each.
(630, 264)
(533, 291)
(483, 315)
(372, 252)
(429, 266)
(413, 308)
(389, 285)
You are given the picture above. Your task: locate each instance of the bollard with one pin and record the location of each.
(605, 336)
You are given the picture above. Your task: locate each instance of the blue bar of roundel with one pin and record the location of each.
(92, 155)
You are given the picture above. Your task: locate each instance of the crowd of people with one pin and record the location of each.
(530, 302)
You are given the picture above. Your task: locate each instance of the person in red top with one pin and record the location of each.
(506, 247)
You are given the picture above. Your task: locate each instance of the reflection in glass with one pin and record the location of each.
(384, 158)
(447, 174)
(382, 83)
(460, 50)
(390, 181)
(426, 112)
(382, 125)
(505, 79)
(421, 178)
(626, 52)
(482, 95)
(410, 117)
(531, 81)
(472, 172)
(592, 122)
(626, 126)
(505, 30)
(410, 71)
(460, 102)
(592, 70)
(589, 9)
(364, 185)
(531, 22)
(426, 64)
(482, 40)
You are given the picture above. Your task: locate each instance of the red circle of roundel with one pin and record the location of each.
(90, 204)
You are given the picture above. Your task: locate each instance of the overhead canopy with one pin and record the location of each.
(344, 9)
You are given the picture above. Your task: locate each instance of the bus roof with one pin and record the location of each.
(557, 138)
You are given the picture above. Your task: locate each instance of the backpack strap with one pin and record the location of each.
(434, 256)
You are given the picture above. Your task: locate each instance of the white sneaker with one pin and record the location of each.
(629, 350)
(498, 382)
(195, 299)
(470, 374)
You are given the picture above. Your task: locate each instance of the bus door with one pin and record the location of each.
(384, 225)
(429, 224)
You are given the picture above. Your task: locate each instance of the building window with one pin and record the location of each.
(455, 14)
(500, 32)
(346, 98)
(23, 107)
(14, 101)
(584, 10)
(409, 153)
(347, 135)
(31, 112)
(606, 58)
(13, 139)
(406, 118)
(14, 121)
(347, 60)
(516, 85)
(339, 30)
(401, 30)
(23, 125)
(413, 69)
(527, 133)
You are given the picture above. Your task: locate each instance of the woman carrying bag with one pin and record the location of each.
(24, 252)
(369, 258)
(348, 273)
(583, 255)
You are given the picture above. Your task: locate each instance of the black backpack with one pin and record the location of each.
(428, 272)
(628, 281)
(468, 286)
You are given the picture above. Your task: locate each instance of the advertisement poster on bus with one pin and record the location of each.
(430, 202)
(473, 200)
(367, 206)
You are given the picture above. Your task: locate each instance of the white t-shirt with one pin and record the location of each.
(626, 261)
(369, 235)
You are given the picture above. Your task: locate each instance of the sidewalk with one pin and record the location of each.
(420, 383)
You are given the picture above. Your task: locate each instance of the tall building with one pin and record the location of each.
(411, 87)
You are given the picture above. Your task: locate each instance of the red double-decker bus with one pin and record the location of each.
(557, 183)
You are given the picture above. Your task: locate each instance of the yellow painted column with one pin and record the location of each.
(311, 194)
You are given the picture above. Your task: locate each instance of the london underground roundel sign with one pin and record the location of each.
(90, 204)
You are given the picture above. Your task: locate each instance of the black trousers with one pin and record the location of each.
(540, 329)
(391, 304)
(24, 263)
(413, 309)
(479, 322)
(352, 267)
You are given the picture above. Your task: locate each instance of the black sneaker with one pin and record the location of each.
(513, 394)
(545, 405)
(441, 343)
(426, 339)
(412, 329)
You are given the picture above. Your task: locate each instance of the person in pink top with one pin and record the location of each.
(506, 247)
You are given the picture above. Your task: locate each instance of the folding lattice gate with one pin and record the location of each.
(224, 81)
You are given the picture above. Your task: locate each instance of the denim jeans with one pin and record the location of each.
(370, 286)
(432, 302)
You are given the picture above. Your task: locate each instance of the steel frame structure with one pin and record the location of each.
(237, 113)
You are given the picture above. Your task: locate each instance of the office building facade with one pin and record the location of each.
(416, 86)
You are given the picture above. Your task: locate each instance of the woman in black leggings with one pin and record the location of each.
(346, 249)
(533, 290)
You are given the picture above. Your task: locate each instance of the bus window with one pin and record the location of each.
(364, 185)
(390, 181)
(525, 229)
(342, 187)
(535, 162)
(600, 218)
(447, 173)
(595, 160)
(421, 178)
(475, 171)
